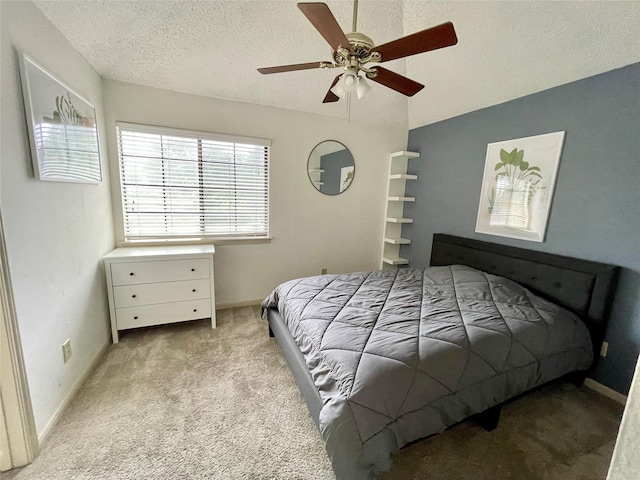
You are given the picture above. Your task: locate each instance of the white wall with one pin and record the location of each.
(310, 230)
(625, 463)
(56, 233)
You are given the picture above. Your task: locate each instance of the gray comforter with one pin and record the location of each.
(398, 356)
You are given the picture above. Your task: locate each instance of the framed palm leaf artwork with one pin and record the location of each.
(517, 186)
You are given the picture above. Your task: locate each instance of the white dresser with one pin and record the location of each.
(157, 285)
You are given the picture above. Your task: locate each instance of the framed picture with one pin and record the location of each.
(346, 177)
(62, 127)
(517, 186)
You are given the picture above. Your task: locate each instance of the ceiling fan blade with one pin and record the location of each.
(292, 68)
(430, 39)
(396, 82)
(321, 17)
(330, 96)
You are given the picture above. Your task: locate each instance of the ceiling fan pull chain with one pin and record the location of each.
(355, 16)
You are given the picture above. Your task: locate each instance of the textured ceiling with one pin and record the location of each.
(212, 48)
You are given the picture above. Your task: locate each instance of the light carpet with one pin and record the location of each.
(184, 401)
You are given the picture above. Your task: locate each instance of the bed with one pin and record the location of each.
(385, 358)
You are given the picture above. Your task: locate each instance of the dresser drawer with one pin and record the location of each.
(133, 317)
(132, 273)
(150, 293)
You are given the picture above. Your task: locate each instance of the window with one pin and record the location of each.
(180, 184)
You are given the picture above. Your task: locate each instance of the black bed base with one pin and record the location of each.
(489, 418)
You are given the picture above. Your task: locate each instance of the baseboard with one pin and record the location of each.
(42, 437)
(246, 303)
(606, 391)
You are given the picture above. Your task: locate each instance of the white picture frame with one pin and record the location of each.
(346, 177)
(63, 133)
(518, 185)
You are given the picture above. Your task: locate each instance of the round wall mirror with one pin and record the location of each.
(331, 167)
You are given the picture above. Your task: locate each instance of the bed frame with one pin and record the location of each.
(581, 286)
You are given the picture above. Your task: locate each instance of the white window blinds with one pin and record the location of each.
(183, 184)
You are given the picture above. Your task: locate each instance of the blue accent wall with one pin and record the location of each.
(595, 212)
(332, 164)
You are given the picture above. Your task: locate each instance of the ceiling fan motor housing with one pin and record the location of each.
(360, 43)
(359, 51)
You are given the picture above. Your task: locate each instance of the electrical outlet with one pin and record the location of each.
(604, 349)
(66, 350)
(324, 271)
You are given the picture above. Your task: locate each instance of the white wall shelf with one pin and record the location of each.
(399, 220)
(401, 199)
(395, 261)
(394, 218)
(398, 241)
(403, 176)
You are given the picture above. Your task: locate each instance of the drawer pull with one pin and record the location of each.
(194, 290)
(131, 274)
(135, 318)
(133, 296)
(193, 269)
(195, 309)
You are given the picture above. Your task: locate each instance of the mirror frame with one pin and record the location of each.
(310, 172)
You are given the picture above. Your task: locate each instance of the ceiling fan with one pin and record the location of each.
(354, 51)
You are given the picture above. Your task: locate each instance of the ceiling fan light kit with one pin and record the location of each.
(363, 87)
(350, 82)
(355, 50)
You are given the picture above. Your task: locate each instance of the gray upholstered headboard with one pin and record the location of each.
(582, 286)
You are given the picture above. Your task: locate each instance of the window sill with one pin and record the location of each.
(203, 241)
